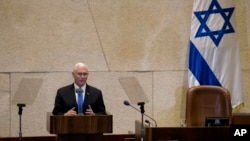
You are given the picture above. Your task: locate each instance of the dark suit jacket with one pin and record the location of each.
(66, 99)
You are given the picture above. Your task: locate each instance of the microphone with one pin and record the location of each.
(125, 102)
(148, 122)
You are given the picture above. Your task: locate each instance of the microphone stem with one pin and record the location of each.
(142, 127)
(133, 107)
(144, 114)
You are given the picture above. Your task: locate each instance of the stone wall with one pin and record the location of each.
(41, 40)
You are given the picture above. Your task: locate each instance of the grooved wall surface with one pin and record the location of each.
(43, 39)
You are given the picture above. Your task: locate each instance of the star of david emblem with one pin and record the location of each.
(203, 16)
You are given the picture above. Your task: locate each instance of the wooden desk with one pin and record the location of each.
(241, 118)
(187, 133)
(106, 137)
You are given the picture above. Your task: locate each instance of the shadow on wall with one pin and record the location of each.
(174, 116)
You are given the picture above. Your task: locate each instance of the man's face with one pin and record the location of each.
(80, 75)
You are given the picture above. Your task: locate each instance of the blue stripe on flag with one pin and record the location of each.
(200, 69)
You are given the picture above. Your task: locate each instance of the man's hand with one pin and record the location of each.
(89, 111)
(71, 112)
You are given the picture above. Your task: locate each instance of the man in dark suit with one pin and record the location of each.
(66, 101)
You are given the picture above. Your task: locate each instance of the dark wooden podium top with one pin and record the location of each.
(97, 124)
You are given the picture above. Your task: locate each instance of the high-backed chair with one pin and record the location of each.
(207, 101)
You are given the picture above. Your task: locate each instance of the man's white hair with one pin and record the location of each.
(79, 64)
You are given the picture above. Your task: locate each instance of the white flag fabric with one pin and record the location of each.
(213, 50)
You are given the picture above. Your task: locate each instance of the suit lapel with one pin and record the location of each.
(87, 97)
(73, 95)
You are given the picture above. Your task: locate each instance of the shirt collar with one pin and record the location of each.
(83, 87)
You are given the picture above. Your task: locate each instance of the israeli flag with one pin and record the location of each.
(213, 51)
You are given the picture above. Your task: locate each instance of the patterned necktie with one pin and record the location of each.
(80, 100)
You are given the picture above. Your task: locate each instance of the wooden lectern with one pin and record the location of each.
(84, 128)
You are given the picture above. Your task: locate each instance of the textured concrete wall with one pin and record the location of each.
(41, 40)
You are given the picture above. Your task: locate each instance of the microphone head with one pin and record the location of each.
(79, 90)
(126, 103)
